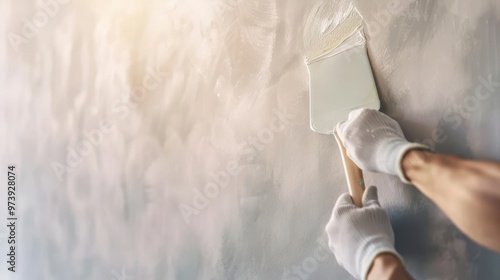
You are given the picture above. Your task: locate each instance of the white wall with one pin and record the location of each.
(219, 88)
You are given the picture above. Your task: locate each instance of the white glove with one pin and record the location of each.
(357, 235)
(375, 142)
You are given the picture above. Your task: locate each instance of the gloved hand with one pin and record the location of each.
(357, 235)
(375, 142)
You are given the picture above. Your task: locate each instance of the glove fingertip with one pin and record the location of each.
(339, 128)
(370, 196)
(343, 200)
(357, 112)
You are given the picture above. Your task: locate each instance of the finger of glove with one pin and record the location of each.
(374, 118)
(343, 125)
(344, 130)
(344, 203)
(388, 123)
(370, 197)
(339, 128)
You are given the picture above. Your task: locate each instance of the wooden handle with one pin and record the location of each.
(353, 174)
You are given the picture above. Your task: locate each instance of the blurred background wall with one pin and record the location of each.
(170, 140)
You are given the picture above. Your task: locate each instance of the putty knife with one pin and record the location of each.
(341, 80)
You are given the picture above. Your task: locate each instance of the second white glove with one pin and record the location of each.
(357, 235)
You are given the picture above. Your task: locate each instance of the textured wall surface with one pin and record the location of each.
(170, 139)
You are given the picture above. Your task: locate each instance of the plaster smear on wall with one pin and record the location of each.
(170, 139)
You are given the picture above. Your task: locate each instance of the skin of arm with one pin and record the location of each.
(388, 267)
(467, 191)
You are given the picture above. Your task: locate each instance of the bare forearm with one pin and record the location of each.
(433, 173)
(388, 267)
(468, 191)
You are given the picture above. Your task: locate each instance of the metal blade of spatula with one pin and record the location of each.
(341, 80)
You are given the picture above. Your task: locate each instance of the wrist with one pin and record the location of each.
(371, 252)
(387, 266)
(410, 154)
(414, 161)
